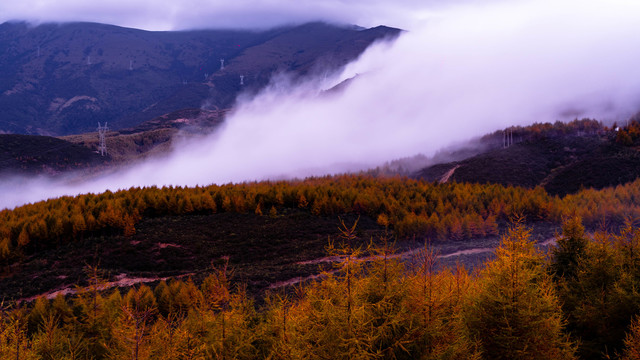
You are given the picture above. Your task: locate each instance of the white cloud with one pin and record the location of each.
(188, 14)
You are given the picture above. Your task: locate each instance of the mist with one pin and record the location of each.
(162, 15)
(467, 70)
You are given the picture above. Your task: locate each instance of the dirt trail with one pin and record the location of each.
(448, 175)
(403, 255)
(121, 281)
(549, 242)
(339, 259)
(467, 252)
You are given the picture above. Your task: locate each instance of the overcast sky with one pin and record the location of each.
(188, 14)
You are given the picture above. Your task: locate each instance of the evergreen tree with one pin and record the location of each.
(569, 249)
(632, 341)
(603, 297)
(90, 314)
(131, 333)
(515, 313)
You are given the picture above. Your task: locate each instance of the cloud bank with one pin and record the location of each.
(468, 70)
(190, 14)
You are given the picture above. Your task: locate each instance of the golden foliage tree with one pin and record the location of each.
(632, 341)
(514, 311)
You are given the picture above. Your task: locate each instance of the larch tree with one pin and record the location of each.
(571, 246)
(632, 341)
(91, 317)
(434, 304)
(515, 313)
(603, 298)
(131, 333)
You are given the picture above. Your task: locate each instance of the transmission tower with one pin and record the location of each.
(507, 138)
(221, 64)
(102, 130)
(241, 79)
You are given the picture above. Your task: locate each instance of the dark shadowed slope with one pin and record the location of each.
(27, 154)
(561, 158)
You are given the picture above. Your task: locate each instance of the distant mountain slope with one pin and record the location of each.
(63, 79)
(561, 158)
(28, 154)
(152, 137)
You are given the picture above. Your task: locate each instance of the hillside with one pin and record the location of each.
(45, 155)
(561, 158)
(31, 155)
(266, 228)
(59, 79)
(189, 263)
(262, 250)
(152, 137)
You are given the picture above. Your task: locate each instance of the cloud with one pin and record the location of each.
(189, 14)
(469, 69)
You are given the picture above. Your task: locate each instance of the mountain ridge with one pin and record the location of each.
(60, 79)
(561, 158)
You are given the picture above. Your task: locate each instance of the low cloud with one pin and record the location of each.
(190, 14)
(468, 70)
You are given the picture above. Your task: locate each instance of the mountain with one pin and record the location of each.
(35, 155)
(152, 137)
(562, 158)
(59, 79)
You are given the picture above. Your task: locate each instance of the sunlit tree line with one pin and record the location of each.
(409, 207)
(628, 134)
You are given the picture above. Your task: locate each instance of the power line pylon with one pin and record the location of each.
(102, 130)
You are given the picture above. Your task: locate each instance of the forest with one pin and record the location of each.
(578, 300)
(410, 207)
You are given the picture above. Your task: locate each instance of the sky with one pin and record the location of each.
(190, 14)
(463, 69)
